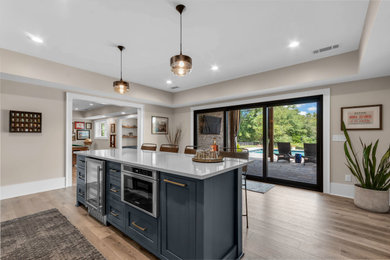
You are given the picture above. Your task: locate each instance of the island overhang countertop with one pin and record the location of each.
(176, 163)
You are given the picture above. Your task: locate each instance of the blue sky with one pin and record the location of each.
(307, 108)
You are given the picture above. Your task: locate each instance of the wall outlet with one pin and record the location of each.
(338, 138)
(348, 177)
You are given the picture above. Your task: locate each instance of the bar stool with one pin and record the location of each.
(149, 147)
(190, 149)
(171, 148)
(240, 153)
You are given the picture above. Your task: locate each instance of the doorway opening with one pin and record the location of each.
(97, 123)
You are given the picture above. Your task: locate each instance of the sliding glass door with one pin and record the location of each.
(293, 143)
(284, 138)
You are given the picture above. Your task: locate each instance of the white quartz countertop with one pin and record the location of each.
(174, 163)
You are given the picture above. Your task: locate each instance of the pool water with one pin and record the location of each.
(293, 152)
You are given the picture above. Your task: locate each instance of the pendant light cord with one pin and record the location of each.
(121, 65)
(181, 35)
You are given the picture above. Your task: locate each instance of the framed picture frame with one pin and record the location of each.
(362, 117)
(83, 134)
(112, 127)
(25, 122)
(79, 125)
(159, 125)
(88, 126)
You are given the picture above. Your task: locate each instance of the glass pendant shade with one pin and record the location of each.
(181, 65)
(121, 86)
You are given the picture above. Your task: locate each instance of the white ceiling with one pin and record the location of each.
(241, 37)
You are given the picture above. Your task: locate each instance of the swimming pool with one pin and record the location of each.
(293, 152)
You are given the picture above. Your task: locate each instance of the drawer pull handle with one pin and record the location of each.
(114, 190)
(114, 214)
(112, 170)
(175, 183)
(135, 225)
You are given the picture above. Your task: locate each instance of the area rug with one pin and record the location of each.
(258, 186)
(44, 235)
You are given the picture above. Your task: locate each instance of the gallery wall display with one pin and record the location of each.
(25, 122)
(83, 134)
(79, 125)
(159, 125)
(362, 117)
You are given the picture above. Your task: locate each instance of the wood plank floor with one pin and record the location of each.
(284, 223)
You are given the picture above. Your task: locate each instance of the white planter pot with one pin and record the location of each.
(372, 200)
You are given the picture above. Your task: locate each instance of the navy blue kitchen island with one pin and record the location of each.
(173, 207)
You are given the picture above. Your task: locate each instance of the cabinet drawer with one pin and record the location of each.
(80, 175)
(115, 213)
(114, 169)
(141, 227)
(80, 161)
(114, 190)
(81, 192)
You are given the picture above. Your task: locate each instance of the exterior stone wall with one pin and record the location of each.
(205, 140)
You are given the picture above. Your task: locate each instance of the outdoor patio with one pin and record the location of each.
(284, 170)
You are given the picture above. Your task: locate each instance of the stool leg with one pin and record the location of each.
(246, 205)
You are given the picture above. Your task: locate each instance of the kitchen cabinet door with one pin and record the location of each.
(178, 210)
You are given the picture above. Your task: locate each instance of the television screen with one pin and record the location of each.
(211, 125)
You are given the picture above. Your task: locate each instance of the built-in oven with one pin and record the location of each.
(140, 189)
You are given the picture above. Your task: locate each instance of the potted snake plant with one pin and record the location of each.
(372, 191)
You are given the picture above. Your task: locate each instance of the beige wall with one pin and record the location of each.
(364, 92)
(27, 157)
(77, 80)
(304, 74)
(150, 111)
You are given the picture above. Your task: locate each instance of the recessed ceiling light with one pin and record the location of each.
(34, 38)
(294, 44)
(214, 68)
(123, 113)
(169, 82)
(76, 108)
(90, 104)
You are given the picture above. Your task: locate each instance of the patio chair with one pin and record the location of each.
(284, 151)
(310, 153)
(149, 147)
(190, 149)
(239, 153)
(171, 148)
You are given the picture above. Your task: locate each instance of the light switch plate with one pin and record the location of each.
(348, 177)
(338, 138)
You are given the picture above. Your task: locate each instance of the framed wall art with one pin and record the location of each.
(159, 125)
(88, 125)
(112, 126)
(82, 134)
(79, 125)
(362, 117)
(25, 122)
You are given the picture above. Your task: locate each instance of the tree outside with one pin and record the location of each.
(296, 124)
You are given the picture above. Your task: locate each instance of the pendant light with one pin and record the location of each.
(121, 86)
(181, 64)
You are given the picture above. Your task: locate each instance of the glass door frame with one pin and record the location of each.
(265, 105)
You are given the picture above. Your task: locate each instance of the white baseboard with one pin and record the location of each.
(16, 190)
(343, 190)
